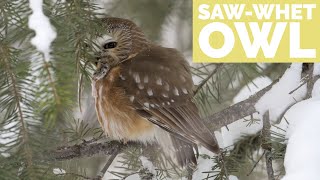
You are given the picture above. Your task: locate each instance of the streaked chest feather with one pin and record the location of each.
(118, 119)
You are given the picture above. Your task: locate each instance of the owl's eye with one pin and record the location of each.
(110, 45)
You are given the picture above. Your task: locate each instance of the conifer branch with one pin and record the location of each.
(215, 122)
(46, 66)
(203, 82)
(236, 111)
(17, 96)
(266, 144)
(89, 149)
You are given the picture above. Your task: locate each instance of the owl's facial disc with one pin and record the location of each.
(106, 59)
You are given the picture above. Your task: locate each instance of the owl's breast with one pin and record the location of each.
(115, 113)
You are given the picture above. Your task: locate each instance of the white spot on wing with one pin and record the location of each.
(152, 105)
(146, 104)
(131, 98)
(172, 100)
(184, 90)
(140, 86)
(159, 81)
(136, 77)
(175, 91)
(165, 95)
(150, 92)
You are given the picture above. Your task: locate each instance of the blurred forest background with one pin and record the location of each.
(39, 104)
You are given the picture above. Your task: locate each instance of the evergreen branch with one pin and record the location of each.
(17, 97)
(89, 149)
(145, 174)
(266, 145)
(77, 175)
(236, 111)
(246, 107)
(255, 164)
(46, 66)
(199, 87)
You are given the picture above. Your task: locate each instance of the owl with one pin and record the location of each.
(143, 92)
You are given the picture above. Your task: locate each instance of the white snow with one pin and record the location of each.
(204, 165)
(253, 87)
(302, 158)
(278, 99)
(45, 33)
(113, 167)
(316, 89)
(231, 177)
(148, 165)
(316, 69)
(133, 177)
(239, 128)
(58, 171)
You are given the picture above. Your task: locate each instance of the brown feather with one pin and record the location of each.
(171, 108)
(115, 114)
(152, 86)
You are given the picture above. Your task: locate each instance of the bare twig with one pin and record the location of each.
(266, 145)
(107, 165)
(255, 164)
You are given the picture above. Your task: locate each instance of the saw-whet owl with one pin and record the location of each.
(143, 92)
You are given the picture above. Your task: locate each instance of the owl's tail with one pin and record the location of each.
(178, 149)
(184, 152)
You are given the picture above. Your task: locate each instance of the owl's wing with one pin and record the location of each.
(158, 82)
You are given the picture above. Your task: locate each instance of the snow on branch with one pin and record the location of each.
(302, 155)
(45, 33)
(279, 98)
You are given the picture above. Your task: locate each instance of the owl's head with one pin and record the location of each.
(125, 40)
